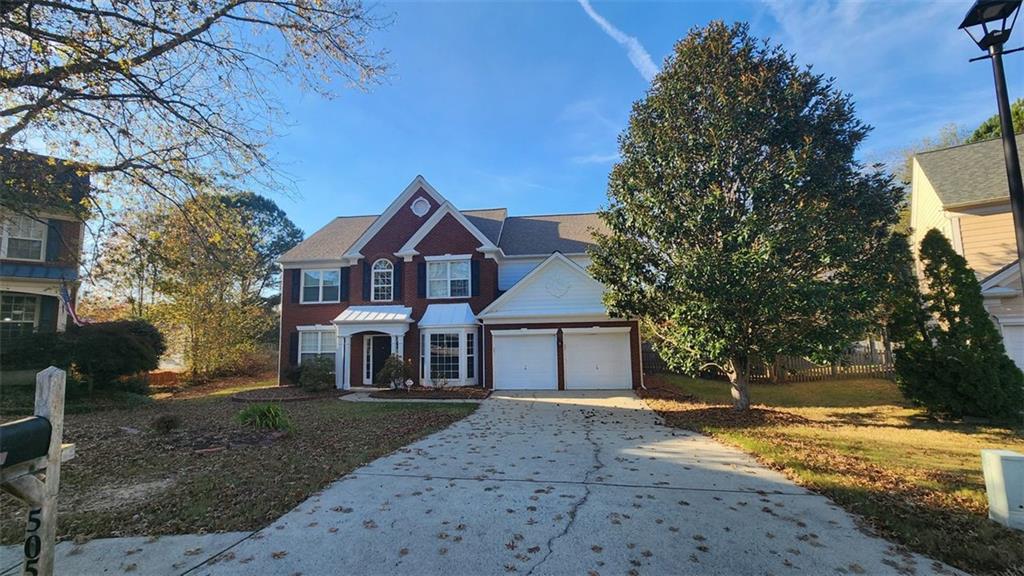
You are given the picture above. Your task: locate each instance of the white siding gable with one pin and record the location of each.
(558, 287)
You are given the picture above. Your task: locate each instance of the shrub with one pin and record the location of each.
(107, 351)
(265, 416)
(954, 363)
(394, 372)
(35, 351)
(164, 423)
(317, 374)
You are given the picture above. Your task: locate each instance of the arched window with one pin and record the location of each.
(383, 281)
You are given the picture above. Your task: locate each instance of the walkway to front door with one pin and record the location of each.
(565, 483)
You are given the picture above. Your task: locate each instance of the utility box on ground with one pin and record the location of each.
(1004, 483)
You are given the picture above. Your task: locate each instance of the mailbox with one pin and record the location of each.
(24, 440)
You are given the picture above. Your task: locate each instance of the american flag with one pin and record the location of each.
(69, 304)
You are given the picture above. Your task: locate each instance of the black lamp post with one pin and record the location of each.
(992, 21)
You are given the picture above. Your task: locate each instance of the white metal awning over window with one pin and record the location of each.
(448, 315)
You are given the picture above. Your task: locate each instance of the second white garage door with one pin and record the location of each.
(597, 359)
(1013, 341)
(525, 360)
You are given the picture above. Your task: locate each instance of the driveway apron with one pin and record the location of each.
(565, 483)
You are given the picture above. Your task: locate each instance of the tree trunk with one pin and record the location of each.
(739, 377)
(887, 346)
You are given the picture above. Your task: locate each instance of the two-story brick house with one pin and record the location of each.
(471, 297)
(40, 246)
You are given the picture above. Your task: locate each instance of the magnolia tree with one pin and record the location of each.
(740, 225)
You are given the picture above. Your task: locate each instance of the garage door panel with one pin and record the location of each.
(598, 360)
(1013, 341)
(525, 362)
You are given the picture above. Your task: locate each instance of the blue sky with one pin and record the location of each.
(519, 104)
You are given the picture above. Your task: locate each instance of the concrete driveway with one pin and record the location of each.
(565, 483)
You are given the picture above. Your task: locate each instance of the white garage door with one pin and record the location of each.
(1013, 340)
(525, 360)
(597, 359)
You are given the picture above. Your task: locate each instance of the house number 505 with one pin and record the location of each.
(33, 544)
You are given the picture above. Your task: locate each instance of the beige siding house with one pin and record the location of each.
(962, 192)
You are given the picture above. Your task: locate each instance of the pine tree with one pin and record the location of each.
(954, 363)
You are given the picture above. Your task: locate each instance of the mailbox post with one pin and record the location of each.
(33, 475)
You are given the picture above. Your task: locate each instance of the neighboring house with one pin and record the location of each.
(469, 297)
(41, 251)
(962, 192)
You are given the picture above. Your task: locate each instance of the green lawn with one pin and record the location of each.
(213, 473)
(917, 480)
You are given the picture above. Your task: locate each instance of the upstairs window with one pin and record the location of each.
(383, 281)
(22, 238)
(448, 279)
(321, 286)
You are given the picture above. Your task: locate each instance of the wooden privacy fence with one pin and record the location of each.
(854, 364)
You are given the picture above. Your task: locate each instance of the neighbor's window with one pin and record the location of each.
(321, 285)
(22, 238)
(448, 279)
(383, 281)
(18, 314)
(444, 356)
(470, 355)
(313, 343)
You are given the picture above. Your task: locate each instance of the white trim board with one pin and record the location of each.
(408, 250)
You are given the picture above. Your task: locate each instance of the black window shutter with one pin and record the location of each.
(366, 281)
(53, 240)
(398, 280)
(421, 279)
(296, 285)
(47, 314)
(474, 277)
(343, 283)
(293, 348)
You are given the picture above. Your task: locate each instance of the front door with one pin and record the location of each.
(380, 349)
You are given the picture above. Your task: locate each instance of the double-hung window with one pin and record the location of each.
(383, 281)
(315, 343)
(321, 286)
(448, 279)
(470, 356)
(22, 238)
(444, 357)
(19, 314)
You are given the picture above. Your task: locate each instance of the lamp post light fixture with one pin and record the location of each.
(992, 22)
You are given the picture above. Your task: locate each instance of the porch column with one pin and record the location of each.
(342, 363)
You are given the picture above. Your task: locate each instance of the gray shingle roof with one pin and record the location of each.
(566, 233)
(967, 174)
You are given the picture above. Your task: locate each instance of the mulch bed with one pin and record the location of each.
(284, 394)
(470, 393)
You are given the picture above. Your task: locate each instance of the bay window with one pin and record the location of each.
(317, 343)
(448, 279)
(321, 286)
(448, 355)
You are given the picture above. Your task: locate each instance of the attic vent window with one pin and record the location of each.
(420, 206)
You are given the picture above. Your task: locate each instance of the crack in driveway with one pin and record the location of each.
(574, 509)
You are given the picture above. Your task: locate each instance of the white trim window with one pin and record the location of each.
(317, 343)
(19, 314)
(448, 355)
(383, 286)
(448, 279)
(321, 286)
(22, 238)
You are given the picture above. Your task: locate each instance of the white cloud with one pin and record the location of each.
(634, 49)
(595, 159)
